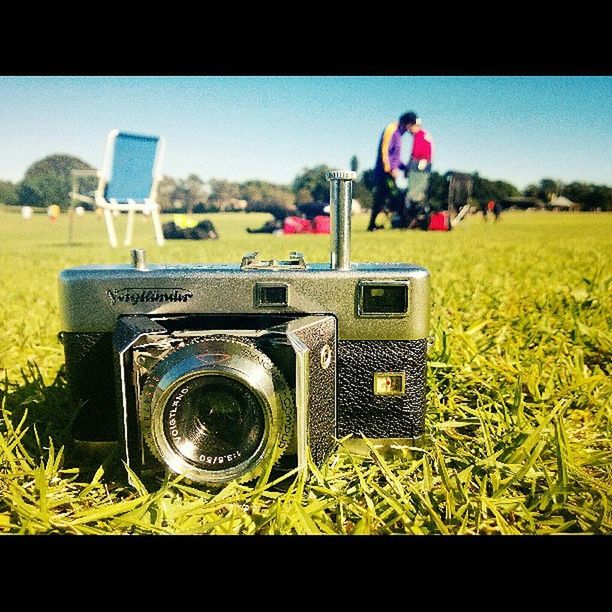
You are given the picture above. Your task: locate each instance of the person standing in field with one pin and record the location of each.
(53, 212)
(418, 168)
(494, 209)
(484, 208)
(387, 169)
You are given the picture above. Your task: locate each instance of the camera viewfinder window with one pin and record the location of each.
(383, 298)
(271, 295)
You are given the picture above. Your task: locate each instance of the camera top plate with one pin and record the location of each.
(92, 298)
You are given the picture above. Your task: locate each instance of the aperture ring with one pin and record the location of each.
(223, 356)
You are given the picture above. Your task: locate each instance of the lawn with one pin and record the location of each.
(519, 412)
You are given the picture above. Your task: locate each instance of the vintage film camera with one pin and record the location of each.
(219, 371)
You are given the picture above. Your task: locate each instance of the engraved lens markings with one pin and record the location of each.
(214, 420)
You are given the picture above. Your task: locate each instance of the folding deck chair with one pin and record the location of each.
(127, 182)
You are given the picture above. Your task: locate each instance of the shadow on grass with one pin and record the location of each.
(47, 415)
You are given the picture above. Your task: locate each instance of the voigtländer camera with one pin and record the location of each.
(221, 371)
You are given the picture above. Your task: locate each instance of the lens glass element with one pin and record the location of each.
(214, 422)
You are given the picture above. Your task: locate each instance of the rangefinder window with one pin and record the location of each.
(382, 298)
(271, 295)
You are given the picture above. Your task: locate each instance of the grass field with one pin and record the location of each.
(518, 426)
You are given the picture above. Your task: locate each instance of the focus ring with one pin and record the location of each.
(224, 356)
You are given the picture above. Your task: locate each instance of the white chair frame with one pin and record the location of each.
(109, 206)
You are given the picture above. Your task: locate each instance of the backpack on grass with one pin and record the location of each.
(204, 230)
(439, 222)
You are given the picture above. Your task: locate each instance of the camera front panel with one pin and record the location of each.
(216, 403)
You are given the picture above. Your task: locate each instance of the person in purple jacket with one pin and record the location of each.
(388, 168)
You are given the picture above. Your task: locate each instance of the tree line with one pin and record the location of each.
(48, 181)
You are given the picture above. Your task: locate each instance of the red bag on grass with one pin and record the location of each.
(321, 224)
(297, 225)
(439, 221)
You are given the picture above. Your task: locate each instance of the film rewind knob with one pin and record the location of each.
(340, 201)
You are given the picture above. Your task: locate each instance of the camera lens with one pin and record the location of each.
(214, 421)
(217, 410)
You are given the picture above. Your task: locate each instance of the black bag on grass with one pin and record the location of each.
(204, 230)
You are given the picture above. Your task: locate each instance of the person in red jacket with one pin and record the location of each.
(418, 168)
(420, 158)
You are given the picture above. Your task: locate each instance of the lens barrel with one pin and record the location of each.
(216, 410)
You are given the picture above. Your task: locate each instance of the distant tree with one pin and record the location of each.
(303, 196)
(601, 197)
(29, 195)
(223, 193)
(362, 193)
(544, 190)
(484, 189)
(589, 196)
(165, 193)
(438, 189)
(354, 163)
(578, 192)
(252, 191)
(281, 194)
(502, 190)
(548, 188)
(8, 193)
(190, 192)
(48, 181)
(267, 193)
(313, 180)
(367, 177)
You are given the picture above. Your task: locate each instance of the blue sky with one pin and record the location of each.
(519, 129)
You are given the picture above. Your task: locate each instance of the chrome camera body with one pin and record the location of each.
(223, 372)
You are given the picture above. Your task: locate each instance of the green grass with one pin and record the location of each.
(518, 426)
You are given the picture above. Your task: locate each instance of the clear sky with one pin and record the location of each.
(519, 129)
